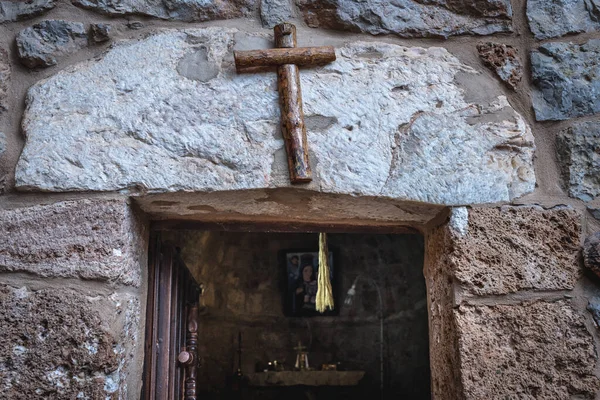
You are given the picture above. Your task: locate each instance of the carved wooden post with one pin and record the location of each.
(189, 354)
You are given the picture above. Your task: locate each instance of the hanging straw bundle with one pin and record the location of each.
(324, 291)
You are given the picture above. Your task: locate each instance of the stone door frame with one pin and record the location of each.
(505, 287)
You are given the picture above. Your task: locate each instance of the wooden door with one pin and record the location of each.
(171, 358)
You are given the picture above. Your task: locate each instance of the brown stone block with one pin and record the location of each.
(58, 343)
(526, 351)
(509, 249)
(90, 239)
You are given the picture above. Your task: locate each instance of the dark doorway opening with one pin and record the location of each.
(380, 284)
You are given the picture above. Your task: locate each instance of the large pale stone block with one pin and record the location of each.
(508, 249)
(60, 343)
(168, 113)
(90, 239)
(410, 18)
(526, 351)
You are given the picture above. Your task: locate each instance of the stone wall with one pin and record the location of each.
(243, 277)
(487, 107)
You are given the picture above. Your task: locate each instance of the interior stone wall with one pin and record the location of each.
(116, 113)
(244, 280)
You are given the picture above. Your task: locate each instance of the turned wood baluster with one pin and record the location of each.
(189, 354)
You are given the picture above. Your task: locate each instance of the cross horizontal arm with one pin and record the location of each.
(273, 57)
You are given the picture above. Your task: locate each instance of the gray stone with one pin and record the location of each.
(2, 143)
(5, 71)
(180, 10)
(135, 25)
(43, 44)
(90, 239)
(273, 12)
(595, 211)
(100, 33)
(19, 10)
(400, 125)
(566, 81)
(554, 18)
(591, 253)
(594, 308)
(578, 151)
(59, 343)
(410, 18)
(504, 60)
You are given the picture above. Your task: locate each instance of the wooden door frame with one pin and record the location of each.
(171, 290)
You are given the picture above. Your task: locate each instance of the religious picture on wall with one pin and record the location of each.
(302, 271)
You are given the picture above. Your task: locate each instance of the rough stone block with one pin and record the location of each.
(273, 12)
(90, 239)
(410, 18)
(554, 18)
(578, 151)
(181, 10)
(44, 44)
(100, 33)
(58, 343)
(526, 351)
(5, 71)
(509, 249)
(504, 60)
(566, 81)
(591, 253)
(383, 120)
(12, 10)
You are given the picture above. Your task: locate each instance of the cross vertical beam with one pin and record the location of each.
(286, 56)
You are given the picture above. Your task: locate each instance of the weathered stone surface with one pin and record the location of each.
(58, 343)
(595, 211)
(554, 18)
(578, 151)
(509, 249)
(90, 239)
(566, 81)
(43, 44)
(12, 10)
(5, 71)
(504, 60)
(526, 351)
(591, 252)
(410, 18)
(273, 12)
(181, 10)
(142, 118)
(443, 337)
(594, 308)
(100, 33)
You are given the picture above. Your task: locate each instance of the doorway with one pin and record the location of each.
(379, 292)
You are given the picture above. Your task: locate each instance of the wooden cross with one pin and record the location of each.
(287, 57)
